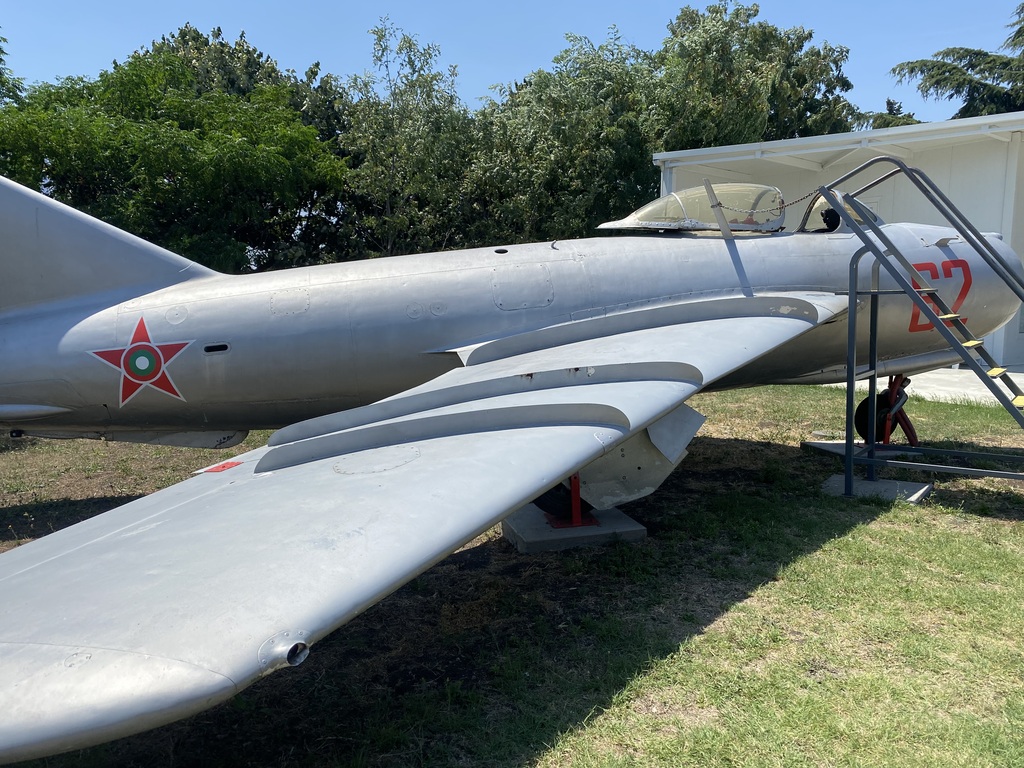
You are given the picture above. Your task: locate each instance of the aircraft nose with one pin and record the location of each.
(56, 698)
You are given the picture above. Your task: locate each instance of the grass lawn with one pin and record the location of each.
(761, 623)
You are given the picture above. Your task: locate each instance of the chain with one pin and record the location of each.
(779, 208)
(809, 195)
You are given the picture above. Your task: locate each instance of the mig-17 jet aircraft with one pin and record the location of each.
(418, 400)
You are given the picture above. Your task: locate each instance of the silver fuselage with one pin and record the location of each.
(265, 350)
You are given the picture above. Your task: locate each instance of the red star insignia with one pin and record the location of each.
(142, 363)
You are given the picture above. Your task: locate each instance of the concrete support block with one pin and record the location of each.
(529, 529)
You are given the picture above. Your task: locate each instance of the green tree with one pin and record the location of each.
(806, 97)
(207, 147)
(728, 79)
(216, 65)
(892, 117)
(986, 83)
(567, 149)
(10, 86)
(409, 141)
(224, 174)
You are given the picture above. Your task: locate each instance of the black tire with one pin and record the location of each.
(860, 416)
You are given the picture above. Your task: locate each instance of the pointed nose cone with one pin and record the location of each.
(57, 698)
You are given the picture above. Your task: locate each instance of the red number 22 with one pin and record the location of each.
(931, 270)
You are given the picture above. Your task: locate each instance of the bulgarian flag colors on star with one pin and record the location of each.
(143, 363)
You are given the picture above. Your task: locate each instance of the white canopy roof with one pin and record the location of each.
(742, 162)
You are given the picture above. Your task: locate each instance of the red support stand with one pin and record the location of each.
(899, 415)
(574, 490)
(574, 516)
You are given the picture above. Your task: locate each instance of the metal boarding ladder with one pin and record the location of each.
(932, 306)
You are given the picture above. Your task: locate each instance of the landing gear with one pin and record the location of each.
(860, 418)
(888, 410)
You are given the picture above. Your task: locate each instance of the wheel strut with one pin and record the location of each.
(888, 409)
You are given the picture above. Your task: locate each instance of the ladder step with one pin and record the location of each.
(995, 373)
(973, 343)
(950, 316)
(1018, 402)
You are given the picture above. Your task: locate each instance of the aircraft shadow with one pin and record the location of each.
(38, 518)
(491, 655)
(8, 445)
(971, 495)
(978, 497)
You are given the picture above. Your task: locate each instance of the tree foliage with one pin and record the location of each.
(207, 147)
(728, 79)
(567, 149)
(409, 141)
(893, 117)
(168, 146)
(10, 86)
(217, 66)
(987, 83)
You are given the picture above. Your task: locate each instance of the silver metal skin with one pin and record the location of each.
(403, 387)
(270, 349)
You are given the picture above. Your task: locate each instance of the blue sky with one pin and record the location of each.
(489, 42)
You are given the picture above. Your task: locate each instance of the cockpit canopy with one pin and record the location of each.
(752, 207)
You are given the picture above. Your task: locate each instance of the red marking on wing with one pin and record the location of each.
(224, 465)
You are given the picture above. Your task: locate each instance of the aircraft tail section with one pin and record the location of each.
(50, 252)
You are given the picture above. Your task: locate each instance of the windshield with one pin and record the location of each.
(745, 206)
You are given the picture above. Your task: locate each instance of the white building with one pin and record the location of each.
(977, 162)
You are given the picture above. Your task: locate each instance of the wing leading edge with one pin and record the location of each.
(172, 603)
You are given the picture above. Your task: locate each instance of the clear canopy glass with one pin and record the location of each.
(745, 207)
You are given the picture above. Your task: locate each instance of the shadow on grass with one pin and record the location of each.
(9, 444)
(488, 657)
(972, 498)
(38, 518)
(973, 495)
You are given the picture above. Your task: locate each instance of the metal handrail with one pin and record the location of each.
(946, 209)
(905, 280)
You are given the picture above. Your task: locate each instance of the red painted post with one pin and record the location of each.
(574, 489)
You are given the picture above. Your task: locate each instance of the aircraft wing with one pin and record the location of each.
(174, 602)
